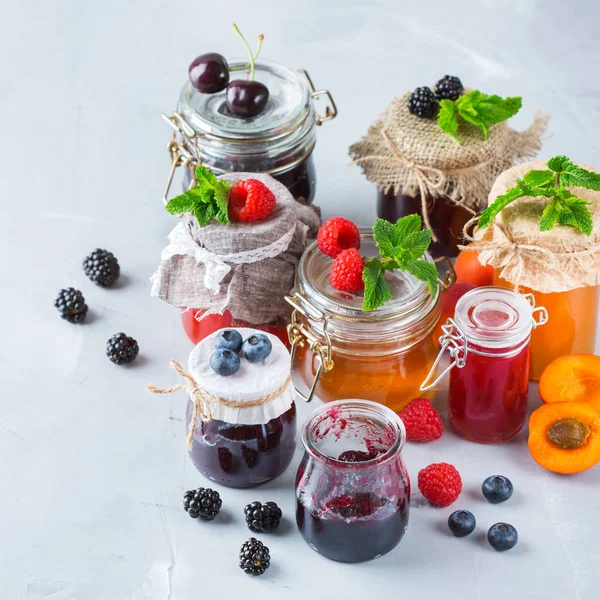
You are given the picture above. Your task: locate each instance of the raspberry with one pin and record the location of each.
(250, 200)
(440, 483)
(337, 234)
(346, 271)
(422, 422)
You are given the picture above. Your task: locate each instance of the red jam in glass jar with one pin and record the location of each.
(244, 447)
(352, 489)
(279, 141)
(489, 341)
(197, 326)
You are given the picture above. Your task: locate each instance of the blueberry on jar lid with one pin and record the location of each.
(230, 339)
(224, 362)
(256, 348)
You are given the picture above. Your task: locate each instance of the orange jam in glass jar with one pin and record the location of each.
(343, 352)
(571, 327)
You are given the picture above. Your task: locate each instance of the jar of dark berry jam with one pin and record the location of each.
(447, 218)
(279, 141)
(488, 341)
(352, 489)
(250, 436)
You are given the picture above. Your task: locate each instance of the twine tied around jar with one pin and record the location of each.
(203, 399)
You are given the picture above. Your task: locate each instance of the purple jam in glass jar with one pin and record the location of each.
(244, 447)
(352, 489)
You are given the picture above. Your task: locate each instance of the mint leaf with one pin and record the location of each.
(203, 174)
(386, 237)
(482, 110)
(557, 164)
(407, 225)
(416, 243)
(539, 178)
(180, 204)
(377, 291)
(576, 213)
(550, 216)
(425, 271)
(201, 213)
(447, 118)
(494, 209)
(579, 177)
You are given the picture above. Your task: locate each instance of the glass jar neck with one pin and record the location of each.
(335, 420)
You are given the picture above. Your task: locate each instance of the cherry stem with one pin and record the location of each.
(261, 37)
(248, 50)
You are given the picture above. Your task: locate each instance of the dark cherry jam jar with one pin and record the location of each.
(446, 217)
(352, 489)
(244, 447)
(279, 141)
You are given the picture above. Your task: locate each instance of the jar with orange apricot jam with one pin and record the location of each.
(340, 351)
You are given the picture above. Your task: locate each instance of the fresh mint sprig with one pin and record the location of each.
(401, 246)
(476, 108)
(564, 207)
(208, 199)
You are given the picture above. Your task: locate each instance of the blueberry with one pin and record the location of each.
(256, 348)
(230, 339)
(224, 362)
(497, 488)
(461, 522)
(502, 536)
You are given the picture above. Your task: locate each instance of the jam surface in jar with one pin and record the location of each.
(572, 324)
(249, 437)
(489, 385)
(446, 217)
(352, 489)
(382, 355)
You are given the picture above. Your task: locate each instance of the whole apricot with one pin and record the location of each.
(470, 270)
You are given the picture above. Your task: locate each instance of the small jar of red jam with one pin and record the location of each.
(352, 489)
(489, 343)
(279, 141)
(243, 446)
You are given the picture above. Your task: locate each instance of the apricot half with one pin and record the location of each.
(572, 378)
(564, 437)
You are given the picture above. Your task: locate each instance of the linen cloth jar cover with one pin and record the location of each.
(420, 169)
(239, 270)
(560, 267)
(279, 141)
(241, 428)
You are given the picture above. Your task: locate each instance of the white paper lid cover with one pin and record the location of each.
(252, 382)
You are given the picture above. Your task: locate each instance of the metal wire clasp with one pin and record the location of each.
(183, 150)
(455, 340)
(331, 110)
(300, 336)
(543, 318)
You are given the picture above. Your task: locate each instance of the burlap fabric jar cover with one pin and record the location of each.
(410, 155)
(246, 268)
(561, 267)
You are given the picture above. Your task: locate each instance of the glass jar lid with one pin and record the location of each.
(412, 309)
(288, 107)
(494, 317)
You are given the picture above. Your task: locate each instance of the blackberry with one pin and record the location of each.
(423, 103)
(250, 456)
(254, 557)
(71, 305)
(202, 503)
(102, 267)
(225, 458)
(262, 518)
(449, 87)
(121, 349)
